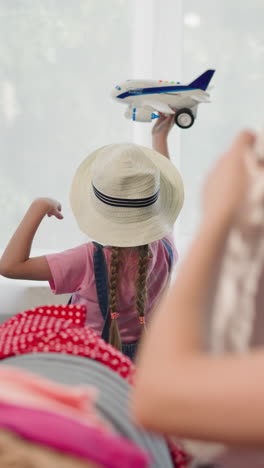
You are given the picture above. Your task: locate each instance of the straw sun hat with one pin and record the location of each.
(126, 195)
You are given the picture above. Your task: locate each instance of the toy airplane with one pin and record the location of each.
(145, 97)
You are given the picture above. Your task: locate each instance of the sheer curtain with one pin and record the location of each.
(229, 37)
(58, 64)
(158, 54)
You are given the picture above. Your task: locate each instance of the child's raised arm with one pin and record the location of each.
(15, 262)
(160, 132)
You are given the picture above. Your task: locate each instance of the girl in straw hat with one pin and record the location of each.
(126, 197)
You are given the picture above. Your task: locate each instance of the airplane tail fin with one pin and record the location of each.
(203, 80)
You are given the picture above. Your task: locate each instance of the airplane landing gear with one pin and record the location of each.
(184, 118)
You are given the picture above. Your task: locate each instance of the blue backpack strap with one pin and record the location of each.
(170, 252)
(101, 283)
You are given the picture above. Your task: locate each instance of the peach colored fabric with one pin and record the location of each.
(24, 388)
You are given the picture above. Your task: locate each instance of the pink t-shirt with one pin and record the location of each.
(73, 272)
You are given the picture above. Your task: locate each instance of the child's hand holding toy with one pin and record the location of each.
(160, 131)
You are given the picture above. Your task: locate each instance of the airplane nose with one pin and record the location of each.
(114, 93)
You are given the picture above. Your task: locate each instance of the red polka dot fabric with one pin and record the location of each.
(62, 329)
(179, 456)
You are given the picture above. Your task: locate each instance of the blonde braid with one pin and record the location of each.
(114, 334)
(141, 282)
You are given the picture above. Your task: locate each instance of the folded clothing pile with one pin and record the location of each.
(62, 418)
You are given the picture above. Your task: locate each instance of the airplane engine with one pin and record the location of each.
(139, 114)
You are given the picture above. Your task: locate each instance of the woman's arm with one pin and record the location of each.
(160, 131)
(15, 261)
(180, 389)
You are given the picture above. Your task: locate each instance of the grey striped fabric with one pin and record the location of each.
(113, 394)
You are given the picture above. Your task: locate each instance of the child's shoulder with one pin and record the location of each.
(169, 238)
(164, 243)
(165, 247)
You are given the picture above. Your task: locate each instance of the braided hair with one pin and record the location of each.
(114, 334)
(141, 291)
(141, 283)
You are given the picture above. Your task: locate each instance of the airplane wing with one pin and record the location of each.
(200, 98)
(161, 107)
